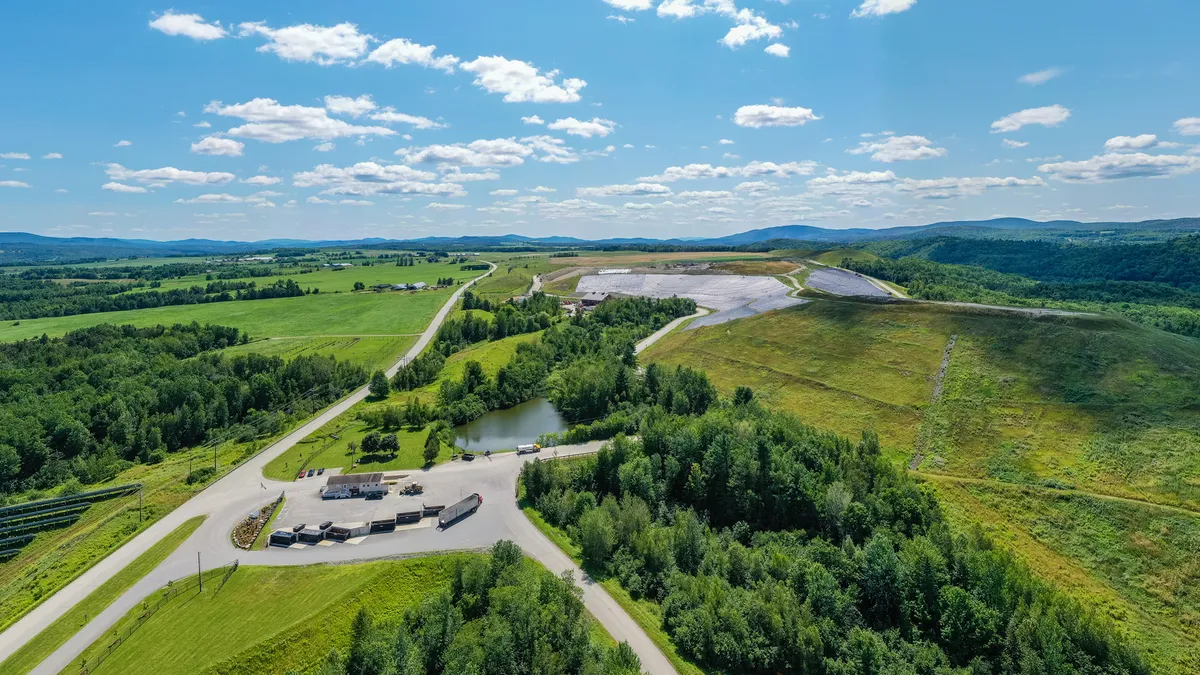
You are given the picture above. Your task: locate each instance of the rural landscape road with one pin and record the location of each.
(228, 500)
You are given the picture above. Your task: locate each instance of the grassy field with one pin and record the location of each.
(53, 637)
(1059, 433)
(757, 267)
(373, 353)
(636, 258)
(273, 619)
(56, 557)
(321, 449)
(513, 276)
(343, 279)
(835, 257)
(311, 315)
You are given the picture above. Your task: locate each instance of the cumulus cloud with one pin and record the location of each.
(554, 150)
(202, 125)
(755, 187)
(354, 107)
(503, 193)
(522, 82)
(167, 175)
(1040, 77)
(121, 187)
(750, 170)
(325, 147)
(188, 25)
(441, 206)
(495, 152)
(13, 184)
(14, 155)
(850, 181)
(758, 116)
(325, 45)
(225, 198)
(628, 190)
(122, 144)
(596, 127)
(542, 188)
(390, 116)
(262, 180)
(371, 178)
(213, 145)
(631, 5)
(533, 119)
(750, 27)
(871, 8)
(460, 176)
(1125, 143)
(948, 188)
(406, 52)
(782, 51)
(1049, 116)
(1118, 166)
(621, 17)
(52, 155)
(1188, 126)
(1010, 143)
(270, 122)
(899, 149)
(705, 195)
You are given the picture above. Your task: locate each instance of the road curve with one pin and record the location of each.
(240, 480)
(662, 332)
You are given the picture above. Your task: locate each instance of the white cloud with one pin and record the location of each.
(881, 7)
(851, 181)
(542, 188)
(406, 52)
(780, 50)
(750, 170)
(1049, 116)
(521, 82)
(188, 25)
(325, 147)
(496, 152)
(123, 144)
(1041, 76)
(325, 45)
(14, 155)
(61, 191)
(121, 187)
(750, 27)
(755, 186)
(758, 116)
(1010, 143)
(725, 141)
(390, 116)
(948, 188)
(168, 174)
(621, 17)
(262, 180)
(52, 155)
(460, 176)
(1188, 126)
(639, 206)
(371, 178)
(899, 149)
(1123, 143)
(553, 149)
(225, 198)
(13, 184)
(202, 125)
(213, 145)
(103, 214)
(441, 206)
(533, 119)
(596, 127)
(636, 190)
(1118, 166)
(354, 107)
(273, 123)
(631, 5)
(503, 193)
(706, 195)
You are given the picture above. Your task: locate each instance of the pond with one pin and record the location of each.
(506, 429)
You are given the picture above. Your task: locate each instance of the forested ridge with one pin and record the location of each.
(88, 404)
(773, 547)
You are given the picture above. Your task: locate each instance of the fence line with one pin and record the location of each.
(173, 590)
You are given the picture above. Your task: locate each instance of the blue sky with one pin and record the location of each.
(592, 118)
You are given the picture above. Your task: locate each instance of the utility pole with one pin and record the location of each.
(199, 575)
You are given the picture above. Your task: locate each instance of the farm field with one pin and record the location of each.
(273, 619)
(44, 644)
(371, 352)
(329, 280)
(321, 449)
(513, 276)
(311, 315)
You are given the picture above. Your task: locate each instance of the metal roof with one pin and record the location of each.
(355, 479)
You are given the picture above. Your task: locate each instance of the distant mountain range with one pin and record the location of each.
(21, 247)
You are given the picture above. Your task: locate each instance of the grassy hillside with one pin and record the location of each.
(836, 256)
(1057, 432)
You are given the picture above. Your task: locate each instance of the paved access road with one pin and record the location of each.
(228, 500)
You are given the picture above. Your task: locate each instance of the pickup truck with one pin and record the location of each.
(455, 511)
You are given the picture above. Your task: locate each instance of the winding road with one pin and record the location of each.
(241, 491)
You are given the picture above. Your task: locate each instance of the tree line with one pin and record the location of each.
(502, 615)
(91, 403)
(773, 547)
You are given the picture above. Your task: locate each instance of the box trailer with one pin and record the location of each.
(456, 511)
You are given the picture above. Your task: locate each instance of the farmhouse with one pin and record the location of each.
(357, 483)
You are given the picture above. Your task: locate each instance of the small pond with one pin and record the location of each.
(506, 429)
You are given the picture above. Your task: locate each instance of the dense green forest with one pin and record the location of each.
(90, 403)
(773, 547)
(1153, 284)
(503, 615)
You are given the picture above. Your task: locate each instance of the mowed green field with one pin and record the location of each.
(343, 279)
(372, 353)
(310, 315)
(272, 619)
(1055, 432)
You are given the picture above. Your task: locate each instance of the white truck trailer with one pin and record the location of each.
(455, 511)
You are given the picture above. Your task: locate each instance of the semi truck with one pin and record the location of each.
(455, 511)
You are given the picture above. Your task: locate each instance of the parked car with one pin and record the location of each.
(300, 475)
(468, 457)
(311, 472)
(320, 471)
(372, 496)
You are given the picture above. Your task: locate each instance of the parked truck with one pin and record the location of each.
(532, 447)
(455, 511)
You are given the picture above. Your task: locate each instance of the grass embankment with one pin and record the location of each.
(835, 257)
(53, 637)
(327, 451)
(273, 619)
(386, 314)
(57, 557)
